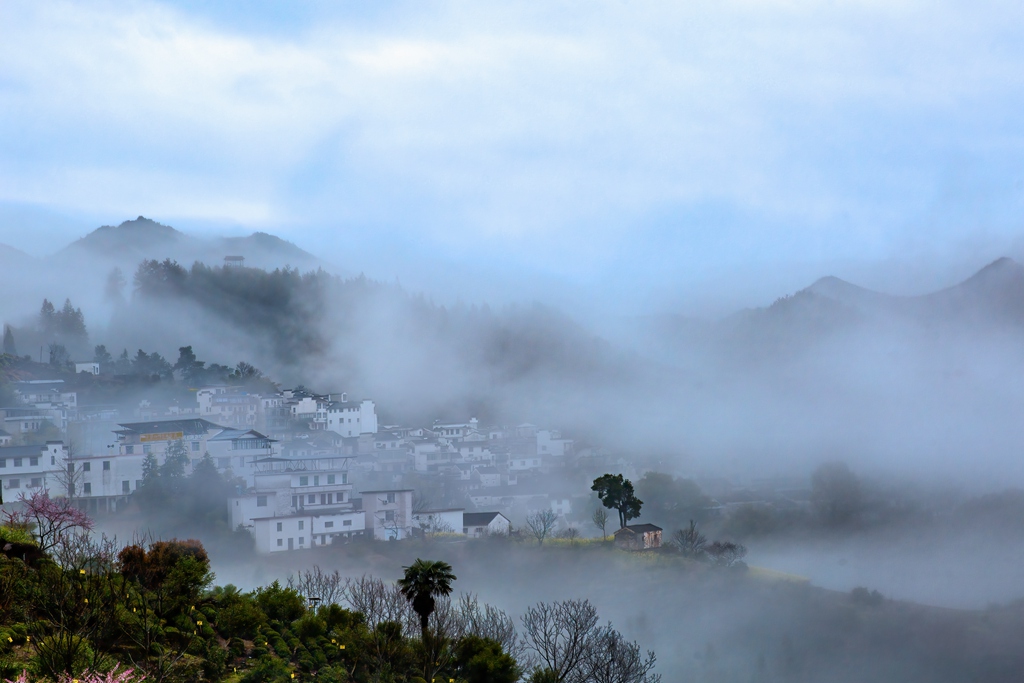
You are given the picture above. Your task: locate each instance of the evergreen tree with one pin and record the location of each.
(9, 346)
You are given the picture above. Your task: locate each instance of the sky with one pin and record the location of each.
(640, 156)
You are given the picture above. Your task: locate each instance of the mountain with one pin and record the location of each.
(127, 244)
(833, 309)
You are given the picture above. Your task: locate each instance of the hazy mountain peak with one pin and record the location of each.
(1001, 272)
(141, 233)
(846, 292)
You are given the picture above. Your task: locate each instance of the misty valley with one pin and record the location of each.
(228, 459)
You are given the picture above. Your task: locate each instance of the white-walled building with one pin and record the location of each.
(297, 503)
(25, 469)
(388, 514)
(478, 524)
(352, 418)
(439, 521)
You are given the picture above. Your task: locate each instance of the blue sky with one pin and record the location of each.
(644, 154)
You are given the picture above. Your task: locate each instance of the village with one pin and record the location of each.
(308, 469)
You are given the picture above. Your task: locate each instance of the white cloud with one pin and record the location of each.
(503, 122)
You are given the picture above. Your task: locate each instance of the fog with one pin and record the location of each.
(764, 260)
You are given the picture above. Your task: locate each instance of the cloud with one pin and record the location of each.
(523, 129)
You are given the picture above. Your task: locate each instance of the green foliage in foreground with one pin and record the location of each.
(92, 607)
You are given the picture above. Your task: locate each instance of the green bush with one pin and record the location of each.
(267, 670)
(56, 655)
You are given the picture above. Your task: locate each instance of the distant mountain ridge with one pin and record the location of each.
(143, 238)
(991, 298)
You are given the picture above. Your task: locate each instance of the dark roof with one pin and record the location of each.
(193, 426)
(389, 491)
(479, 518)
(21, 451)
(639, 528)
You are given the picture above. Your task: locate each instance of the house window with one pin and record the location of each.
(126, 487)
(223, 463)
(330, 478)
(316, 480)
(302, 539)
(261, 501)
(195, 446)
(302, 525)
(33, 462)
(3, 462)
(328, 525)
(323, 499)
(280, 541)
(36, 482)
(391, 498)
(87, 488)
(145, 448)
(18, 461)
(295, 501)
(53, 460)
(86, 466)
(129, 450)
(280, 527)
(138, 484)
(347, 522)
(15, 483)
(311, 498)
(303, 481)
(389, 516)
(106, 465)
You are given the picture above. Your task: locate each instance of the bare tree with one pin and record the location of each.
(571, 534)
(610, 658)
(379, 602)
(558, 635)
(487, 621)
(67, 475)
(690, 542)
(726, 553)
(541, 523)
(600, 520)
(323, 588)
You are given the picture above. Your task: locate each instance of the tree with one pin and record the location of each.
(600, 520)
(726, 553)
(836, 494)
(47, 315)
(559, 634)
(482, 660)
(541, 523)
(102, 356)
(423, 582)
(689, 542)
(616, 493)
(53, 521)
(613, 659)
(59, 356)
(114, 289)
(9, 345)
(188, 366)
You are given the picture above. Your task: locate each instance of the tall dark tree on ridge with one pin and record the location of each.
(616, 493)
(423, 581)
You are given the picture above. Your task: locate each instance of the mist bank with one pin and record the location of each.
(921, 387)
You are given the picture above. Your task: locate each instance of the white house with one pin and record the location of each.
(388, 514)
(298, 503)
(90, 368)
(352, 418)
(24, 469)
(477, 524)
(439, 521)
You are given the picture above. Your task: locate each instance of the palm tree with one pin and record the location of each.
(422, 582)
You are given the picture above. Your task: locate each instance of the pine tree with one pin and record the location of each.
(9, 346)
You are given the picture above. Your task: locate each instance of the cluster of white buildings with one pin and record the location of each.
(297, 457)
